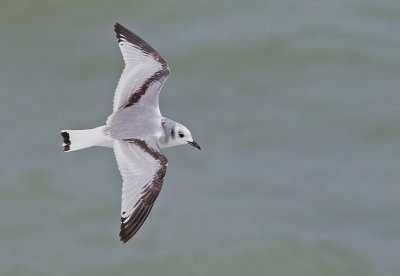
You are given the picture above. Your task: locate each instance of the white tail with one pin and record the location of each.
(80, 139)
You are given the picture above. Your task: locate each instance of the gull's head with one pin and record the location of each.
(180, 135)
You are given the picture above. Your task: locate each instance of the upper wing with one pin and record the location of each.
(144, 69)
(143, 168)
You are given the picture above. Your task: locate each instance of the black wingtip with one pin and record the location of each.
(124, 34)
(122, 31)
(118, 29)
(66, 141)
(123, 242)
(117, 26)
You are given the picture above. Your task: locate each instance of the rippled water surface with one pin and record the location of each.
(295, 105)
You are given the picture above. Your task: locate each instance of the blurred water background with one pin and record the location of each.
(296, 107)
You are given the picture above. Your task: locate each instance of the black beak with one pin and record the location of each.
(194, 144)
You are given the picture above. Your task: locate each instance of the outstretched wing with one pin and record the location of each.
(143, 167)
(144, 74)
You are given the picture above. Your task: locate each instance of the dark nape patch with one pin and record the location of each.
(67, 142)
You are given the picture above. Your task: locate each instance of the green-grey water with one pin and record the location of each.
(295, 105)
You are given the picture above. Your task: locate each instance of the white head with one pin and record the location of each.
(176, 134)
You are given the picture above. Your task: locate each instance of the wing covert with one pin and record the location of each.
(142, 167)
(144, 67)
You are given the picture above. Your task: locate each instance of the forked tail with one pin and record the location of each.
(85, 138)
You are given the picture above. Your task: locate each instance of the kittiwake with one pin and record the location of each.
(136, 130)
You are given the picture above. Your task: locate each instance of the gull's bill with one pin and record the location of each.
(194, 144)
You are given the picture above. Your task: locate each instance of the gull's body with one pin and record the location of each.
(136, 130)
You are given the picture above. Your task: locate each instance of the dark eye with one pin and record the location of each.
(181, 135)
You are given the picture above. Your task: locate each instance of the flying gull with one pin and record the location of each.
(136, 130)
